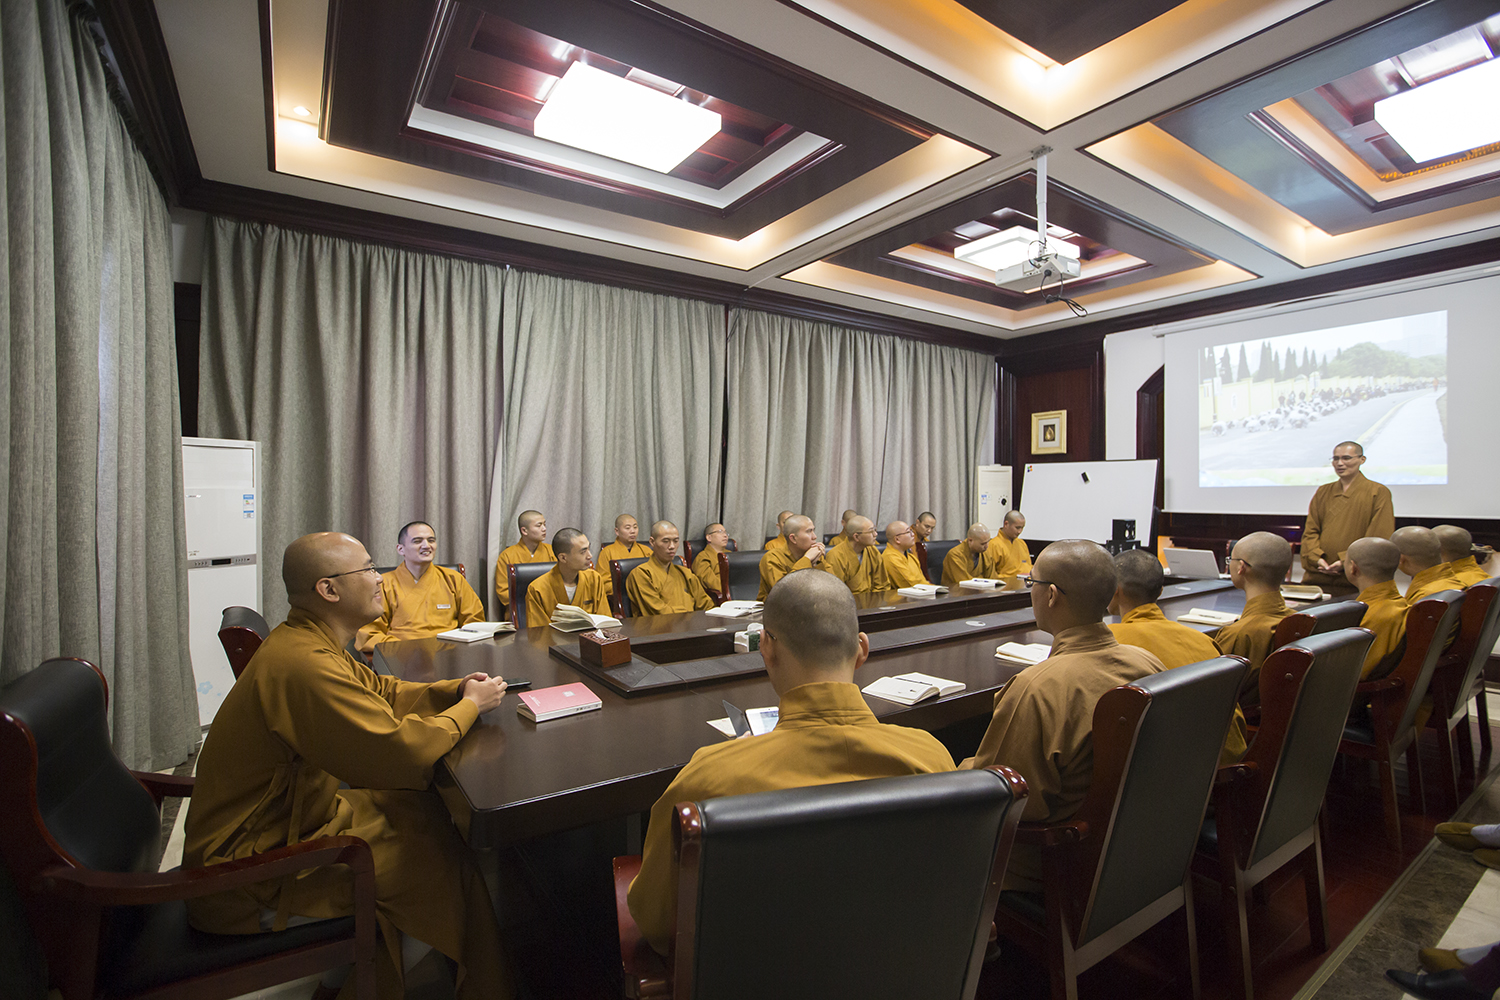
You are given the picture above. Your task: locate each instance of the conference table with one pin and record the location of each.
(511, 779)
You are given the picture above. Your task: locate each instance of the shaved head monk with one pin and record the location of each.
(859, 563)
(706, 563)
(1422, 560)
(420, 597)
(843, 535)
(1008, 555)
(303, 717)
(1350, 507)
(1257, 565)
(966, 560)
(825, 733)
(1458, 552)
(625, 546)
(1370, 565)
(572, 581)
(902, 567)
(779, 542)
(532, 547)
(800, 549)
(924, 525)
(1043, 721)
(661, 585)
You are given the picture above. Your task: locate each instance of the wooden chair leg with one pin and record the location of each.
(1317, 899)
(1195, 987)
(1414, 775)
(1390, 804)
(1236, 933)
(1447, 766)
(1483, 710)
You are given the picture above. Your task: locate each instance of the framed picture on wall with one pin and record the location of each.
(1049, 433)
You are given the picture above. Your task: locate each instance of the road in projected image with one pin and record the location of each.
(1270, 412)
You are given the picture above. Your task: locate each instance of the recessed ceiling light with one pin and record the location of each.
(1459, 112)
(300, 110)
(606, 114)
(1010, 247)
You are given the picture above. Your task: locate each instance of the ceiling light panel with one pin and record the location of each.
(1451, 115)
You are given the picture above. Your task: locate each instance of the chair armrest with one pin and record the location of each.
(83, 885)
(1231, 774)
(1050, 835)
(646, 972)
(162, 786)
(1376, 686)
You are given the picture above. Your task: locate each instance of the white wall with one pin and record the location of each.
(1130, 358)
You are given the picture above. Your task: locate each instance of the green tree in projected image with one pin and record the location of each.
(1367, 359)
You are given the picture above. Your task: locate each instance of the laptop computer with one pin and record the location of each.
(1194, 564)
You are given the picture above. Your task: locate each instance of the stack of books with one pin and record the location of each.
(1204, 616)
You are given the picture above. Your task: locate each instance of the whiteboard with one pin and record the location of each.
(1059, 503)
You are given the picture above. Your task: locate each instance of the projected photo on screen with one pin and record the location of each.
(1271, 411)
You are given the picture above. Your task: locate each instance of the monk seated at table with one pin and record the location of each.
(1043, 723)
(531, 548)
(902, 567)
(1370, 564)
(799, 549)
(572, 581)
(706, 563)
(826, 733)
(420, 597)
(625, 546)
(661, 585)
(967, 559)
(1257, 565)
(1458, 552)
(858, 562)
(303, 717)
(1422, 560)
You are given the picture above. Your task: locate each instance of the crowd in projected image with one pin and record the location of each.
(1270, 411)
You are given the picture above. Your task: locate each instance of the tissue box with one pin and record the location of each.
(603, 649)
(748, 641)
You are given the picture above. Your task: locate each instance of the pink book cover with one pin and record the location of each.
(552, 702)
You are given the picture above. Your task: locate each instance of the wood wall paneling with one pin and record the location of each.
(187, 319)
(1069, 376)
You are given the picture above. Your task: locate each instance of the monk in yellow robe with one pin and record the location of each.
(662, 586)
(1346, 509)
(706, 563)
(859, 563)
(1422, 560)
(826, 733)
(625, 546)
(1008, 555)
(800, 549)
(306, 715)
(421, 598)
(844, 533)
(1458, 552)
(1258, 565)
(572, 581)
(902, 567)
(1370, 564)
(1043, 723)
(531, 548)
(924, 526)
(966, 560)
(779, 542)
(1142, 624)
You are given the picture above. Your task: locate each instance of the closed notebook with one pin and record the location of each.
(922, 590)
(476, 630)
(556, 702)
(981, 583)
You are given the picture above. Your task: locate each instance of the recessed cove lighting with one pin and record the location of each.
(1451, 115)
(300, 110)
(1010, 247)
(606, 114)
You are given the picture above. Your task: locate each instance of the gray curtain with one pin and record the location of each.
(614, 403)
(93, 544)
(371, 378)
(824, 418)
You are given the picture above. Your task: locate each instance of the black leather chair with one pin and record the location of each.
(936, 553)
(1121, 864)
(1318, 619)
(522, 576)
(881, 888)
(691, 548)
(742, 569)
(81, 836)
(619, 569)
(1389, 730)
(241, 631)
(1266, 807)
(1459, 676)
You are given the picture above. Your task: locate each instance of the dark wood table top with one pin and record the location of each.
(511, 779)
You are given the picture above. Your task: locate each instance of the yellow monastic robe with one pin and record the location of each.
(1336, 520)
(548, 592)
(1176, 646)
(779, 542)
(655, 589)
(1043, 727)
(1007, 557)
(518, 553)
(416, 609)
(1432, 580)
(826, 733)
(902, 569)
(839, 539)
(304, 716)
(962, 563)
(1466, 571)
(862, 574)
(1250, 637)
(706, 569)
(616, 550)
(777, 563)
(1386, 617)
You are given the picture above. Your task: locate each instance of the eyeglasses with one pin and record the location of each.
(363, 569)
(1239, 560)
(1032, 581)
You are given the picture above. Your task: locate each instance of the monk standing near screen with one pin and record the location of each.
(1350, 507)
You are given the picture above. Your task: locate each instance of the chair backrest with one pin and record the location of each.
(619, 569)
(522, 576)
(744, 574)
(241, 631)
(1305, 690)
(64, 795)
(1318, 619)
(1156, 747)
(1428, 624)
(884, 887)
(936, 553)
(1478, 628)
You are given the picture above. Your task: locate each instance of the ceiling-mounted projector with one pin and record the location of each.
(1034, 273)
